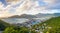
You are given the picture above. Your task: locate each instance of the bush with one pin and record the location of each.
(17, 30)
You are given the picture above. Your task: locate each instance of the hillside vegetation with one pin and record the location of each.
(3, 25)
(54, 23)
(50, 26)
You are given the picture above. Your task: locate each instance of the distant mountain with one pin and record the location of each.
(35, 16)
(43, 15)
(56, 14)
(23, 16)
(3, 25)
(14, 16)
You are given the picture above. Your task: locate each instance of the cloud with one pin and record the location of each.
(49, 1)
(18, 7)
(27, 6)
(12, 2)
(1, 6)
(54, 4)
(4, 11)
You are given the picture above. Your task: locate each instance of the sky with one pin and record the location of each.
(18, 7)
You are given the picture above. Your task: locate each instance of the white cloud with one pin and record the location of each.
(25, 7)
(50, 1)
(4, 11)
(12, 1)
(1, 6)
(28, 7)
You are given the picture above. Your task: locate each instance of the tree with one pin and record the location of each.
(16, 30)
(3, 25)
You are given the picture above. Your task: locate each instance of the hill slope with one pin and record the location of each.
(23, 16)
(54, 22)
(52, 25)
(3, 25)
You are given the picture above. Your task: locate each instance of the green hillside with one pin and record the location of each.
(3, 25)
(54, 23)
(50, 26)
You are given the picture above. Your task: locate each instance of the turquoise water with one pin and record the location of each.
(21, 20)
(33, 22)
(15, 20)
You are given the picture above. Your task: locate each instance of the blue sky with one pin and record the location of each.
(18, 7)
(4, 2)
